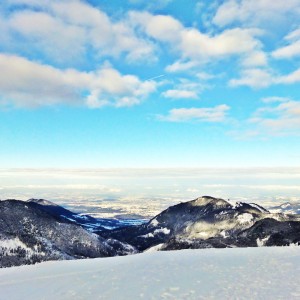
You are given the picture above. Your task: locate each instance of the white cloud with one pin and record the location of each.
(291, 50)
(291, 78)
(52, 36)
(180, 66)
(205, 76)
(185, 89)
(254, 78)
(160, 27)
(281, 116)
(68, 29)
(256, 58)
(36, 3)
(253, 12)
(194, 45)
(211, 114)
(30, 84)
(287, 51)
(261, 78)
(180, 94)
(294, 35)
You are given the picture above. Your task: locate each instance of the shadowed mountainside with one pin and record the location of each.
(208, 222)
(39, 230)
(29, 234)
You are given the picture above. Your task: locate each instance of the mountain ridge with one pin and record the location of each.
(38, 230)
(29, 234)
(203, 222)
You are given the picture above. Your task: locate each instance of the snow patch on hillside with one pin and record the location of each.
(8, 246)
(154, 222)
(205, 230)
(155, 248)
(155, 232)
(162, 230)
(245, 218)
(261, 209)
(262, 242)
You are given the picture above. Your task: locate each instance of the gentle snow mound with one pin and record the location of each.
(249, 273)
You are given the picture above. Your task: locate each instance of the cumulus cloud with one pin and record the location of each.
(255, 12)
(68, 29)
(196, 45)
(207, 114)
(30, 84)
(193, 45)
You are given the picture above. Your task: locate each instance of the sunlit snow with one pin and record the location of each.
(249, 273)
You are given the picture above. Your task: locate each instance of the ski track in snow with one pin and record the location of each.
(249, 273)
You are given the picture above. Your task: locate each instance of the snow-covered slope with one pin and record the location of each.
(250, 273)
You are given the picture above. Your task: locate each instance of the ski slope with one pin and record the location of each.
(256, 273)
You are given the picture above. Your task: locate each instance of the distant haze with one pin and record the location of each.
(110, 192)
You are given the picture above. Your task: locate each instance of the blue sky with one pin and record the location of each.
(159, 84)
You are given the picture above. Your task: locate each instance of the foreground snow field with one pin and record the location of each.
(256, 273)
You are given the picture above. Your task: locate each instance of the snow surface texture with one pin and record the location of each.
(248, 273)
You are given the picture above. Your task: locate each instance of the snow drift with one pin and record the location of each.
(256, 273)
